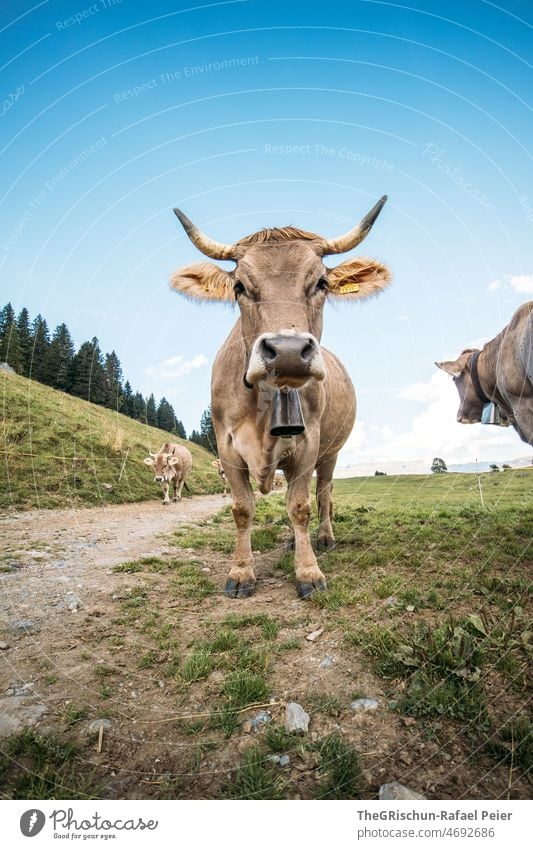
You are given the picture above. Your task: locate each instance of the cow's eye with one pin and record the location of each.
(239, 289)
(322, 284)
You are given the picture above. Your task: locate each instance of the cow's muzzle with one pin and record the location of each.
(285, 359)
(159, 479)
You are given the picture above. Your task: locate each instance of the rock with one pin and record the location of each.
(364, 705)
(215, 677)
(391, 600)
(96, 724)
(19, 689)
(20, 626)
(161, 684)
(395, 790)
(314, 635)
(247, 727)
(296, 719)
(15, 715)
(405, 758)
(3, 646)
(261, 719)
(108, 487)
(274, 759)
(410, 608)
(328, 661)
(284, 760)
(73, 601)
(206, 569)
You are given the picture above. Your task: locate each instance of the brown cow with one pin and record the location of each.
(171, 463)
(280, 285)
(222, 475)
(502, 373)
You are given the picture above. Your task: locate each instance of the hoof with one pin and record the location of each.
(305, 589)
(165, 503)
(325, 543)
(234, 589)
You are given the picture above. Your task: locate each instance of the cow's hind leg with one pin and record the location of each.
(241, 578)
(308, 576)
(178, 486)
(324, 487)
(166, 499)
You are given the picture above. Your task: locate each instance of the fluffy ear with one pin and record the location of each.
(358, 278)
(173, 461)
(148, 461)
(204, 281)
(455, 367)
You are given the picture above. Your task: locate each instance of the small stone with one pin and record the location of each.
(395, 790)
(74, 606)
(3, 646)
(215, 677)
(108, 487)
(274, 759)
(296, 719)
(364, 705)
(405, 758)
(410, 608)
(314, 635)
(247, 727)
(161, 684)
(391, 600)
(284, 760)
(96, 724)
(206, 569)
(261, 719)
(328, 661)
(19, 626)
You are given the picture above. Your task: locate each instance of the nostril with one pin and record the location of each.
(268, 352)
(307, 352)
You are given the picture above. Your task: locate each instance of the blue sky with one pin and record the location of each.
(248, 114)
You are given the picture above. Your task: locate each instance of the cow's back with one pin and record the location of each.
(185, 456)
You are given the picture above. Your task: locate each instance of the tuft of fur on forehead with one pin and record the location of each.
(277, 235)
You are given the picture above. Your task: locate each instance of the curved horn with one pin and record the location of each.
(356, 235)
(216, 250)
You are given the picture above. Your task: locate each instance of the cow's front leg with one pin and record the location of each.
(166, 499)
(308, 576)
(241, 578)
(178, 486)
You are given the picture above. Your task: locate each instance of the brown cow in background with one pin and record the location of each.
(172, 463)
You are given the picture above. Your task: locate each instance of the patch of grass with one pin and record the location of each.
(256, 778)
(194, 583)
(278, 740)
(74, 713)
(326, 704)
(290, 644)
(148, 659)
(225, 719)
(196, 666)
(380, 645)
(342, 775)
(269, 627)
(36, 766)
(204, 536)
(513, 744)
(245, 688)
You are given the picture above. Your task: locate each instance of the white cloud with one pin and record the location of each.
(175, 367)
(434, 432)
(522, 283)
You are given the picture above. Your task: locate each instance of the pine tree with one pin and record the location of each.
(10, 351)
(180, 430)
(126, 402)
(138, 408)
(25, 343)
(151, 412)
(438, 466)
(60, 359)
(207, 432)
(113, 381)
(196, 437)
(40, 344)
(88, 377)
(166, 419)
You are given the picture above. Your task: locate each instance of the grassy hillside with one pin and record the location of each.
(60, 451)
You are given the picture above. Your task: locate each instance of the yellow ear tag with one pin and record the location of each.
(347, 288)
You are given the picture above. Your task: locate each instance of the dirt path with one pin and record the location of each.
(56, 563)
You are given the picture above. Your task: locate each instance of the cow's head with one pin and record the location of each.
(280, 284)
(163, 464)
(470, 404)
